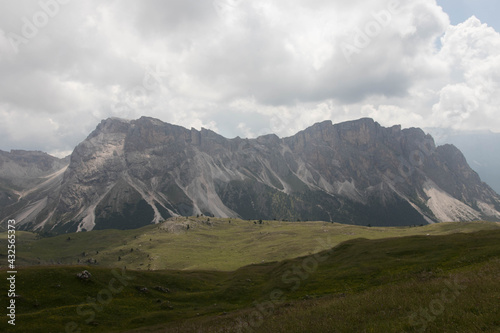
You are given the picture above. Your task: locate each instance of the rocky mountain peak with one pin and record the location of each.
(111, 125)
(23, 172)
(22, 163)
(131, 173)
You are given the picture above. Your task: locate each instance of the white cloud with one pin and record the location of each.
(470, 100)
(267, 66)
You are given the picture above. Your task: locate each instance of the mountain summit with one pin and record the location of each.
(128, 174)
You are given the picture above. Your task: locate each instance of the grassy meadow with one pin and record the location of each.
(437, 278)
(207, 244)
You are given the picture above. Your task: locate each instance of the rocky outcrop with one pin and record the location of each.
(23, 173)
(127, 174)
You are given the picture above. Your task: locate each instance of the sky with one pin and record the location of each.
(244, 68)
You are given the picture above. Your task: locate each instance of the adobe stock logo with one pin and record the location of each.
(363, 37)
(224, 7)
(39, 20)
(139, 95)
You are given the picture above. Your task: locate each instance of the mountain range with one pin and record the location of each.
(480, 148)
(131, 173)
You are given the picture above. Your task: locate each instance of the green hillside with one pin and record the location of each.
(206, 243)
(362, 285)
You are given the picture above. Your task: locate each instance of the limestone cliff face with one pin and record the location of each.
(127, 174)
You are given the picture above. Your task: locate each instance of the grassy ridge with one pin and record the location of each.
(404, 306)
(208, 244)
(360, 286)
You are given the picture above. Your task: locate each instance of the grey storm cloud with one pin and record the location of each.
(238, 67)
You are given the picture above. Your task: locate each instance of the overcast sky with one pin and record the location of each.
(244, 67)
